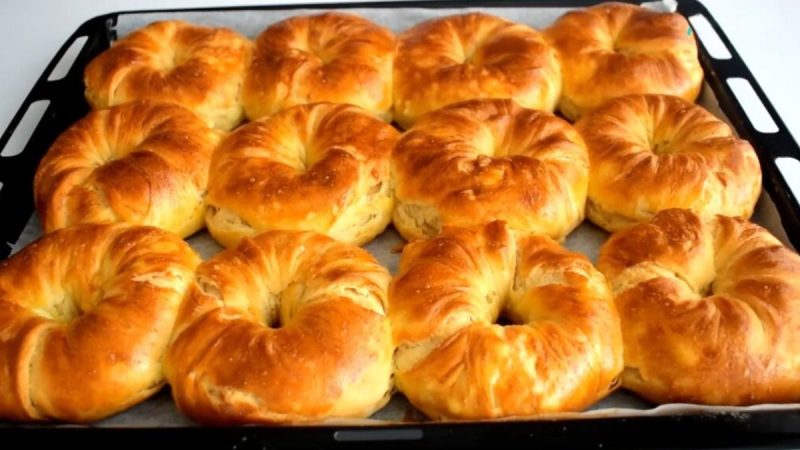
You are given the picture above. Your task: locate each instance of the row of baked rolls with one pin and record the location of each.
(320, 167)
(606, 51)
(465, 164)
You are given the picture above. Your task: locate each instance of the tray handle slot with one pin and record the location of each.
(754, 109)
(21, 134)
(67, 60)
(398, 434)
(790, 171)
(713, 44)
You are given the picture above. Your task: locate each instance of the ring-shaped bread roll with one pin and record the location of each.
(709, 310)
(286, 327)
(144, 163)
(86, 314)
(319, 167)
(653, 152)
(470, 56)
(332, 57)
(197, 67)
(563, 352)
(481, 160)
(616, 49)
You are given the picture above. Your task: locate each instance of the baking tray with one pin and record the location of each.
(620, 420)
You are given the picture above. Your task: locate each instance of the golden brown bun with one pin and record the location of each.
(469, 56)
(318, 167)
(331, 57)
(287, 327)
(481, 160)
(454, 362)
(86, 314)
(143, 162)
(197, 67)
(709, 310)
(653, 152)
(614, 49)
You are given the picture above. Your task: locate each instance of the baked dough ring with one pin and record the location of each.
(144, 163)
(476, 161)
(332, 57)
(331, 357)
(653, 152)
(319, 167)
(614, 49)
(709, 310)
(452, 361)
(197, 67)
(469, 56)
(86, 314)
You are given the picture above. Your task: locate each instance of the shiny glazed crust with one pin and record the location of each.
(453, 361)
(708, 308)
(470, 56)
(197, 67)
(319, 167)
(143, 162)
(648, 153)
(330, 357)
(332, 57)
(614, 49)
(481, 160)
(86, 314)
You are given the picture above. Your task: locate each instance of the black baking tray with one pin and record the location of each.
(750, 429)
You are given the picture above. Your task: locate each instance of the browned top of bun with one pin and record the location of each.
(468, 56)
(709, 310)
(86, 314)
(331, 57)
(615, 49)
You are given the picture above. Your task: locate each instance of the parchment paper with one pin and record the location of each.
(160, 410)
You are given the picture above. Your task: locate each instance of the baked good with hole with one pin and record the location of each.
(561, 352)
(473, 162)
(288, 327)
(708, 308)
(470, 56)
(332, 57)
(320, 167)
(143, 162)
(200, 68)
(86, 314)
(648, 153)
(615, 49)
